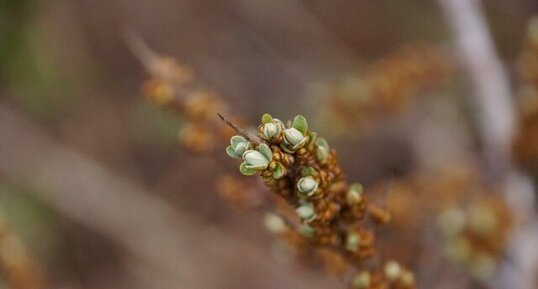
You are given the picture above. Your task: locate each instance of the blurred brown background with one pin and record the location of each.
(74, 126)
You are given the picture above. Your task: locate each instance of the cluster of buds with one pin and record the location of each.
(390, 86)
(171, 85)
(475, 236)
(393, 274)
(467, 221)
(525, 145)
(16, 263)
(303, 170)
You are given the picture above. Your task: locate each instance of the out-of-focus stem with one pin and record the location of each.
(496, 122)
(492, 97)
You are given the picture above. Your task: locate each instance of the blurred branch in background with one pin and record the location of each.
(492, 96)
(151, 231)
(496, 120)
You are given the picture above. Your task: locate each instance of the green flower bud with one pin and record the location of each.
(308, 171)
(392, 270)
(353, 241)
(238, 146)
(279, 171)
(271, 129)
(322, 149)
(274, 223)
(407, 278)
(293, 136)
(307, 186)
(306, 212)
(354, 195)
(306, 231)
(294, 139)
(361, 280)
(255, 160)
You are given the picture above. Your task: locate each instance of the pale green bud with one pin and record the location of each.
(354, 194)
(241, 148)
(294, 138)
(361, 280)
(307, 186)
(238, 146)
(323, 149)
(353, 241)
(408, 278)
(392, 270)
(306, 231)
(322, 153)
(274, 223)
(255, 160)
(306, 212)
(271, 129)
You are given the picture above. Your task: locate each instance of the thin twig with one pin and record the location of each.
(140, 49)
(243, 132)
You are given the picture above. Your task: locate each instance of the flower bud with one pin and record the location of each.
(322, 153)
(354, 195)
(353, 241)
(274, 224)
(392, 270)
(361, 280)
(306, 212)
(306, 231)
(322, 149)
(294, 138)
(307, 186)
(238, 146)
(407, 278)
(255, 160)
(272, 129)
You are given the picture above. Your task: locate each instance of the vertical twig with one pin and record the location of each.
(496, 120)
(492, 97)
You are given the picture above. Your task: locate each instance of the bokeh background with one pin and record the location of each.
(92, 179)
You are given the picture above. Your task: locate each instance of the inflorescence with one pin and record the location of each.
(389, 87)
(331, 214)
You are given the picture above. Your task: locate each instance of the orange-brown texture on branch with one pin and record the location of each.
(329, 213)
